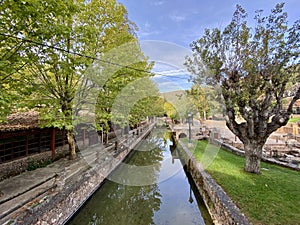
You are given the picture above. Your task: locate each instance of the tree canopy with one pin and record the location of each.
(254, 67)
(48, 47)
(199, 100)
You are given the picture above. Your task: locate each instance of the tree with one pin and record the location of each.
(171, 111)
(178, 105)
(199, 100)
(124, 98)
(147, 103)
(61, 40)
(253, 68)
(12, 63)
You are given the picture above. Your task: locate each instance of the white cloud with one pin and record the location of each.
(170, 73)
(169, 58)
(167, 85)
(147, 26)
(168, 79)
(158, 3)
(165, 53)
(146, 34)
(177, 18)
(146, 30)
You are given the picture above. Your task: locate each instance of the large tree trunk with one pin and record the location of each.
(253, 155)
(72, 144)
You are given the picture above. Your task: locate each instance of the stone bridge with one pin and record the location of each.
(182, 131)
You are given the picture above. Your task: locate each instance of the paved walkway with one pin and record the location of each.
(24, 191)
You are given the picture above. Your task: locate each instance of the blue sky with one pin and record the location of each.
(179, 22)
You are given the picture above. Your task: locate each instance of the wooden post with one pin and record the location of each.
(116, 146)
(52, 144)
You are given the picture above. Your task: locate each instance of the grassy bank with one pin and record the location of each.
(294, 120)
(271, 198)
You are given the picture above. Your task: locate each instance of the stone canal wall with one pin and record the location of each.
(220, 206)
(73, 190)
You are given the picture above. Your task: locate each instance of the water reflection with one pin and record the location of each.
(167, 200)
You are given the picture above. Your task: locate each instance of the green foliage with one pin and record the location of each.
(12, 64)
(148, 102)
(148, 106)
(72, 26)
(294, 120)
(50, 52)
(127, 96)
(181, 103)
(254, 67)
(199, 99)
(271, 198)
(171, 111)
(33, 165)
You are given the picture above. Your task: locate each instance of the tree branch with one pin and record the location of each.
(295, 98)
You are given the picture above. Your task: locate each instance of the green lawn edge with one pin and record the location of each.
(270, 198)
(294, 120)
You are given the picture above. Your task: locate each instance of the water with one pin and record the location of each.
(165, 197)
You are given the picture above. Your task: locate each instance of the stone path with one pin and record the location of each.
(21, 193)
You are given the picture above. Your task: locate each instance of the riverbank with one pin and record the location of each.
(271, 198)
(62, 187)
(221, 208)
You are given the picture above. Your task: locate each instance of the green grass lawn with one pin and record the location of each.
(294, 120)
(270, 198)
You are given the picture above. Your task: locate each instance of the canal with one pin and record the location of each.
(149, 187)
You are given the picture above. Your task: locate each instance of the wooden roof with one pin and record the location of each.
(20, 121)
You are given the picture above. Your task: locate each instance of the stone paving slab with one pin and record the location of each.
(14, 204)
(19, 192)
(21, 189)
(22, 183)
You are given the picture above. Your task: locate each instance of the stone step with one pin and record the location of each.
(15, 186)
(11, 206)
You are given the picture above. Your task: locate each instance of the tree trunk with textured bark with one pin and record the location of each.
(253, 155)
(72, 144)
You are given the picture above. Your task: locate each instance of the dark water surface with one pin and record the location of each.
(150, 187)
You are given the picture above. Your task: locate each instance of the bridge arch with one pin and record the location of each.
(182, 135)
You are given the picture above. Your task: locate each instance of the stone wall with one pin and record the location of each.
(18, 166)
(291, 128)
(220, 206)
